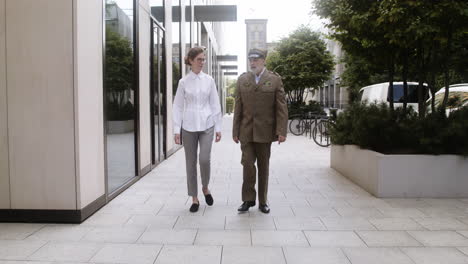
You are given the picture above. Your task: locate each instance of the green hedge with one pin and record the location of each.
(302, 108)
(229, 104)
(376, 128)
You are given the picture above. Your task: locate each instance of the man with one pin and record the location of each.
(260, 118)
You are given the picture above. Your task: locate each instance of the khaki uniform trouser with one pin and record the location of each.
(255, 152)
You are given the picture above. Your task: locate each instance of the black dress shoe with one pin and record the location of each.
(245, 206)
(264, 208)
(209, 199)
(194, 207)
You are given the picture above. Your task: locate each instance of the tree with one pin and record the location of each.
(231, 85)
(449, 17)
(417, 37)
(358, 73)
(302, 61)
(426, 32)
(354, 24)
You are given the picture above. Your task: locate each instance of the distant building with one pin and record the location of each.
(256, 30)
(333, 94)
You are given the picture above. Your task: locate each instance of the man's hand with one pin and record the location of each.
(236, 139)
(177, 139)
(218, 136)
(281, 139)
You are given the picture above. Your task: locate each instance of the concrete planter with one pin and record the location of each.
(120, 127)
(404, 176)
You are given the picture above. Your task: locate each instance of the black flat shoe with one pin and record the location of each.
(245, 206)
(264, 208)
(209, 199)
(194, 207)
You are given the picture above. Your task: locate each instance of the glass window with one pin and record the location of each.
(456, 99)
(188, 30)
(176, 56)
(156, 2)
(360, 95)
(120, 93)
(398, 93)
(158, 95)
(196, 34)
(157, 10)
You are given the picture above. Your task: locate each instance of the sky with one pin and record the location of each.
(283, 18)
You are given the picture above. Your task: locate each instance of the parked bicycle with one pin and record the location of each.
(321, 132)
(303, 123)
(316, 125)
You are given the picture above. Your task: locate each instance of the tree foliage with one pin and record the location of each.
(302, 61)
(415, 39)
(231, 85)
(359, 73)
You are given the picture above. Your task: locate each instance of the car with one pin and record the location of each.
(379, 93)
(458, 97)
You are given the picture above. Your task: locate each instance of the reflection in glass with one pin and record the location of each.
(176, 56)
(119, 93)
(156, 2)
(157, 10)
(196, 41)
(398, 93)
(188, 30)
(157, 93)
(162, 95)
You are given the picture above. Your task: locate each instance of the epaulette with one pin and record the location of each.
(275, 73)
(240, 76)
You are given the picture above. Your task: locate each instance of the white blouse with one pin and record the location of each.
(196, 104)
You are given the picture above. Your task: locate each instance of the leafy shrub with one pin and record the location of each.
(229, 104)
(377, 128)
(302, 108)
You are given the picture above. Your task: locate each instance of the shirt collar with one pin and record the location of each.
(260, 75)
(197, 76)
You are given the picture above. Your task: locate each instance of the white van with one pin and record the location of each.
(455, 90)
(378, 93)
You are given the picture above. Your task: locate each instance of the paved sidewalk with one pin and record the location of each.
(317, 216)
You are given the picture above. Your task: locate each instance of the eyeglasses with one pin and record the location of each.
(200, 60)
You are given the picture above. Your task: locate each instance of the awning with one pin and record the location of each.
(227, 58)
(230, 73)
(229, 67)
(208, 13)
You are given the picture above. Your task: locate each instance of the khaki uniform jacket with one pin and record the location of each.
(261, 113)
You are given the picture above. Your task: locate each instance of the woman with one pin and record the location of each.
(197, 115)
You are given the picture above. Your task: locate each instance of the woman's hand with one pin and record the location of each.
(177, 139)
(218, 136)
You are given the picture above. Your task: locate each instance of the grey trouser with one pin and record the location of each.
(190, 141)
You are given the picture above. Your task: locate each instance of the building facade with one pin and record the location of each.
(333, 94)
(86, 91)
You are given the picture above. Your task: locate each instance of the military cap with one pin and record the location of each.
(257, 53)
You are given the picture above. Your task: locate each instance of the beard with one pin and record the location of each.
(256, 70)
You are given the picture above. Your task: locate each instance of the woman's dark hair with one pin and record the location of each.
(193, 53)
